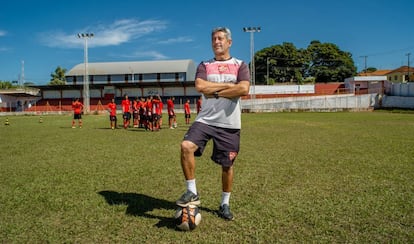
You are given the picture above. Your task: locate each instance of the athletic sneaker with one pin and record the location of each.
(188, 198)
(224, 212)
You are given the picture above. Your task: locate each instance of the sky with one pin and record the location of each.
(38, 36)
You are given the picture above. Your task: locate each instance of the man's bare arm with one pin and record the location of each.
(208, 88)
(240, 89)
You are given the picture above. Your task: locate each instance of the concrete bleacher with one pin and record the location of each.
(330, 88)
(65, 105)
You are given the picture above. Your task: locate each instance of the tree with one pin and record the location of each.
(5, 85)
(328, 63)
(280, 63)
(58, 78)
(369, 70)
(320, 62)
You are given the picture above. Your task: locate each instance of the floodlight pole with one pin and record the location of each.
(86, 96)
(408, 68)
(252, 30)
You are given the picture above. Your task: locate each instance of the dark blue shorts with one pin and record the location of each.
(127, 116)
(226, 142)
(112, 118)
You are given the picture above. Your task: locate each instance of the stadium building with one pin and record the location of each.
(109, 80)
(137, 79)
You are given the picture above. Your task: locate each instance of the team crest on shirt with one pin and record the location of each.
(223, 68)
(232, 155)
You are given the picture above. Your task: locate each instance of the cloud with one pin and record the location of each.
(116, 33)
(4, 49)
(176, 40)
(153, 55)
(3, 33)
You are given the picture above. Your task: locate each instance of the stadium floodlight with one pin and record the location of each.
(252, 30)
(86, 96)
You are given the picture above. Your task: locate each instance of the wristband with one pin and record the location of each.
(216, 95)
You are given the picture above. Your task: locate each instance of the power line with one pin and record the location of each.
(390, 51)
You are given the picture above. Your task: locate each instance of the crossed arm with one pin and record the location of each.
(226, 90)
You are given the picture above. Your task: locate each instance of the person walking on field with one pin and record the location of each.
(221, 81)
(187, 112)
(112, 113)
(77, 107)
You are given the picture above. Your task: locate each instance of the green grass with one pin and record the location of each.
(300, 177)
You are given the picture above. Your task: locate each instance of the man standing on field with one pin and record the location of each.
(77, 107)
(126, 108)
(112, 113)
(172, 122)
(221, 81)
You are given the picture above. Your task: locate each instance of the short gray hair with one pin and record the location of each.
(226, 31)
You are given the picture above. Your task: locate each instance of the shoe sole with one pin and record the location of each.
(225, 218)
(196, 203)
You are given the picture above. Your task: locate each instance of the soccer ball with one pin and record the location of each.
(187, 218)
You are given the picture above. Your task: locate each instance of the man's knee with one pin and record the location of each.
(188, 147)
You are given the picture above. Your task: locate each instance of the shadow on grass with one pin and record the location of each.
(141, 205)
(122, 128)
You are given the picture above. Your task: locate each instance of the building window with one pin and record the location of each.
(149, 77)
(118, 78)
(167, 77)
(70, 79)
(100, 79)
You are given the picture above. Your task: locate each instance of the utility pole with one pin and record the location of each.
(408, 69)
(22, 76)
(365, 63)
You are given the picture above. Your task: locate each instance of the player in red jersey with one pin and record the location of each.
(156, 113)
(172, 121)
(161, 105)
(77, 112)
(135, 113)
(187, 112)
(126, 110)
(148, 109)
(112, 113)
(141, 106)
(198, 105)
(141, 113)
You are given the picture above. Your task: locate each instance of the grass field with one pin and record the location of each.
(300, 177)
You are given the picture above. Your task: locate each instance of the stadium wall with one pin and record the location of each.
(400, 89)
(329, 103)
(397, 102)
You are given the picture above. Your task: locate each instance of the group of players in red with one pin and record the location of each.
(145, 113)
